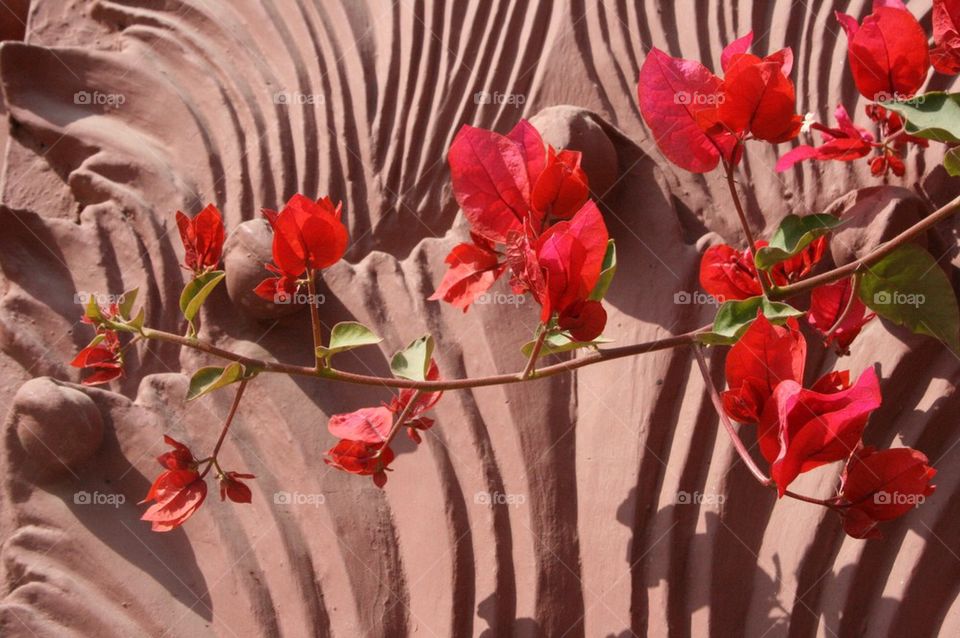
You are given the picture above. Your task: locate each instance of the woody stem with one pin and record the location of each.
(332, 374)
(878, 253)
(407, 409)
(599, 356)
(130, 343)
(854, 283)
(226, 427)
(314, 315)
(535, 352)
(892, 136)
(762, 478)
(742, 451)
(831, 503)
(732, 185)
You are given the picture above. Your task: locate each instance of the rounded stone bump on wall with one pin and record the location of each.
(577, 129)
(871, 217)
(57, 427)
(248, 247)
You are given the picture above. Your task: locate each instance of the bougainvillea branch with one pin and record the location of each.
(532, 219)
(699, 120)
(600, 355)
(591, 358)
(862, 263)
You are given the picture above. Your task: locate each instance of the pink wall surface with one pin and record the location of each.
(607, 502)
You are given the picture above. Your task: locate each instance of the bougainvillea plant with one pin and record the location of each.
(533, 219)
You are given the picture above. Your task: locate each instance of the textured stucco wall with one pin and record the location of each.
(593, 541)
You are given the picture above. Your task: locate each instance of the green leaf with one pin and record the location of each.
(197, 291)
(347, 335)
(932, 116)
(951, 161)
(794, 234)
(413, 362)
(734, 317)
(92, 310)
(206, 380)
(558, 342)
(908, 288)
(125, 307)
(607, 271)
(137, 322)
(122, 321)
(97, 340)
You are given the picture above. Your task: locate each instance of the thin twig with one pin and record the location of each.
(742, 450)
(226, 426)
(731, 183)
(718, 405)
(832, 503)
(892, 136)
(537, 346)
(854, 283)
(404, 414)
(314, 315)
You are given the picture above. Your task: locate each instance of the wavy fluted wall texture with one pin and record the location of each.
(592, 540)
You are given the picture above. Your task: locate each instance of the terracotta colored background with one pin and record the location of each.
(588, 533)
